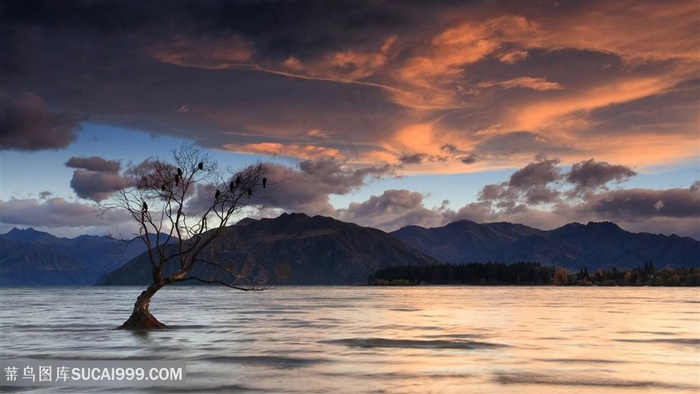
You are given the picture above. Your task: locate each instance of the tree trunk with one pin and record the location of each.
(141, 318)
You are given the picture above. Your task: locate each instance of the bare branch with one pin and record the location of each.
(186, 203)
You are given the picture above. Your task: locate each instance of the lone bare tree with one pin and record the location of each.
(181, 208)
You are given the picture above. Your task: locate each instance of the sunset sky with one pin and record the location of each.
(382, 113)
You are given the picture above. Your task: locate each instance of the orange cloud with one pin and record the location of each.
(513, 56)
(635, 31)
(653, 41)
(431, 76)
(546, 113)
(525, 82)
(279, 149)
(435, 74)
(643, 150)
(211, 53)
(348, 65)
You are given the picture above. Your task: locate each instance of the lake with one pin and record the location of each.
(375, 340)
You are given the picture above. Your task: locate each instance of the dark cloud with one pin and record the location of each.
(469, 159)
(97, 178)
(449, 148)
(638, 204)
(279, 29)
(416, 158)
(521, 200)
(27, 124)
(541, 173)
(307, 188)
(392, 210)
(695, 187)
(590, 174)
(91, 16)
(529, 185)
(94, 163)
(16, 49)
(97, 186)
(306, 29)
(463, 156)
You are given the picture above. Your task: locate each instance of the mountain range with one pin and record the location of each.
(321, 250)
(574, 246)
(35, 258)
(312, 251)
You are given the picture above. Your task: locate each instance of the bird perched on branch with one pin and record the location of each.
(264, 182)
(200, 166)
(179, 171)
(217, 194)
(145, 207)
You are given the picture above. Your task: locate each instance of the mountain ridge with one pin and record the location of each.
(36, 258)
(322, 250)
(314, 250)
(574, 245)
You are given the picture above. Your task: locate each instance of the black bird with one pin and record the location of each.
(200, 166)
(162, 187)
(264, 182)
(249, 191)
(238, 180)
(231, 186)
(145, 206)
(179, 171)
(217, 194)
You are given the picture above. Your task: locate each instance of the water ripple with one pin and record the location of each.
(534, 378)
(412, 343)
(274, 361)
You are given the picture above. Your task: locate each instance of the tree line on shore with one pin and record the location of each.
(531, 274)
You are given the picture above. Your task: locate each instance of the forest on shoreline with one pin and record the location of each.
(531, 274)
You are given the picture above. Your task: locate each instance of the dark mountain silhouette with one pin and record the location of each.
(574, 246)
(464, 239)
(38, 264)
(312, 250)
(29, 257)
(321, 250)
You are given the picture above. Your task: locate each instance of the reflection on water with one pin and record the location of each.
(384, 340)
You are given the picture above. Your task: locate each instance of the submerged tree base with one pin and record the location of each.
(142, 321)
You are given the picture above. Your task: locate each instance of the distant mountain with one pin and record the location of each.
(464, 240)
(594, 245)
(322, 250)
(30, 257)
(314, 250)
(38, 264)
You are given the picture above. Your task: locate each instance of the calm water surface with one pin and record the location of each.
(376, 340)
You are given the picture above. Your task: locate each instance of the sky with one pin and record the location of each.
(381, 113)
